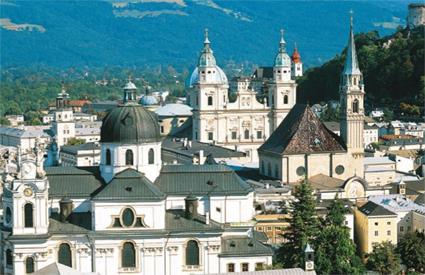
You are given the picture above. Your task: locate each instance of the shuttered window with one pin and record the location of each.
(192, 253)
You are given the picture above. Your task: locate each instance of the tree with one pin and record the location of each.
(335, 251)
(303, 226)
(75, 141)
(412, 251)
(4, 121)
(384, 259)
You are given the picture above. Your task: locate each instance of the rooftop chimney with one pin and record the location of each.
(66, 207)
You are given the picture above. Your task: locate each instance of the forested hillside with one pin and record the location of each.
(392, 66)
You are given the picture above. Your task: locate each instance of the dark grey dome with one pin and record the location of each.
(130, 124)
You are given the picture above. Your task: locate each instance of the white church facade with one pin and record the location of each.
(246, 123)
(130, 215)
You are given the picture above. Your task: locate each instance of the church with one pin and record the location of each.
(246, 123)
(131, 214)
(303, 148)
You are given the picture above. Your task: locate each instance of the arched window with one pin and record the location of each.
(192, 253)
(129, 157)
(108, 157)
(246, 134)
(355, 106)
(285, 99)
(151, 156)
(9, 257)
(28, 215)
(128, 255)
(29, 265)
(65, 255)
(210, 101)
(270, 169)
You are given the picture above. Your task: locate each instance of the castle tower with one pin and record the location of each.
(297, 65)
(282, 91)
(209, 93)
(352, 106)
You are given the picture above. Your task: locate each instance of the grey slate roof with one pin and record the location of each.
(73, 182)
(373, 209)
(420, 199)
(73, 149)
(236, 246)
(130, 124)
(175, 221)
(77, 223)
(302, 132)
(194, 179)
(130, 185)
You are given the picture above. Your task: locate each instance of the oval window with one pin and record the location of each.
(8, 215)
(301, 171)
(127, 217)
(339, 169)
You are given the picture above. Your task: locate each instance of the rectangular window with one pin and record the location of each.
(244, 267)
(269, 228)
(259, 134)
(260, 228)
(389, 233)
(401, 228)
(234, 134)
(376, 233)
(259, 266)
(230, 267)
(162, 129)
(210, 135)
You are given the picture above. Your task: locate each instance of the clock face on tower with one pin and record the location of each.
(28, 192)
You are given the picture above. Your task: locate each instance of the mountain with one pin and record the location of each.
(147, 32)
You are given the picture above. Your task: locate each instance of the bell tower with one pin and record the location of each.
(26, 195)
(352, 106)
(283, 89)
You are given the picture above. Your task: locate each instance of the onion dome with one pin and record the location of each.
(282, 58)
(296, 58)
(208, 66)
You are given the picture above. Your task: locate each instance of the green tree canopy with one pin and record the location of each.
(384, 259)
(412, 251)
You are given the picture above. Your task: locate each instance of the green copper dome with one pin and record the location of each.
(130, 123)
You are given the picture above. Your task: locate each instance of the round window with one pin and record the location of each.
(301, 171)
(8, 215)
(339, 169)
(128, 217)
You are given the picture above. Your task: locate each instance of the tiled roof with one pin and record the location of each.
(243, 246)
(130, 185)
(373, 209)
(73, 181)
(420, 199)
(175, 221)
(302, 132)
(201, 180)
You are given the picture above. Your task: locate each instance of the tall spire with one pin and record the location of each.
(206, 58)
(282, 42)
(351, 65)
(282, 58)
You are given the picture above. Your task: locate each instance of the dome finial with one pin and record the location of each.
(206, 41)
(282, 42)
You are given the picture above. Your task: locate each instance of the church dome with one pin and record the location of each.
(217, 77)
(130, 124)
(282, 58)
(148, 100)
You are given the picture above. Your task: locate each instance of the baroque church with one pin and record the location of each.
(131, 214)
(246, 123)
(303, 148)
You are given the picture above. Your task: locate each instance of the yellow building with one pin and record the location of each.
(374, 224)
(273, 225)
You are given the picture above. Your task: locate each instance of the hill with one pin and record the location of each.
(392, 66)
(149, 32)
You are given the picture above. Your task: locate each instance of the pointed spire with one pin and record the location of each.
(296, 58)
(351, 65)
(206, 58)
(282, 42)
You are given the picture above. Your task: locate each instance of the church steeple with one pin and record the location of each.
(351, 66)
(206, 59)
(282, 58)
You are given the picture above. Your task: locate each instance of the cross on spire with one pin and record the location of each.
(207, 41)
